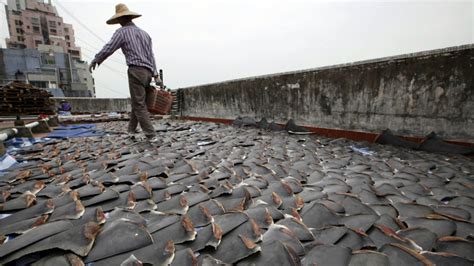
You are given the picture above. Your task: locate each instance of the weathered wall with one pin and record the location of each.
(410, 94)
(97, 105)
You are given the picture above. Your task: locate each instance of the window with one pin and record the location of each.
(19, 31)
(28, 27)
(35, 21)
(20, 39)
(39, 84)
(66, 30)
(53, 31)
(74, 52)
(38, 42)
(47, 59)
(66, 37)
(52, 24)
(17, 22)
(36, 29)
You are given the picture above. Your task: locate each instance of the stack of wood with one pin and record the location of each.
(18, 98)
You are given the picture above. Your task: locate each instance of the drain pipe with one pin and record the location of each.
(32, 124)
(36, 123)
(6, 134)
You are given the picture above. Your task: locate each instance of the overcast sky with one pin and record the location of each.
(205, 41)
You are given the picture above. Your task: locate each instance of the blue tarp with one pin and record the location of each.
(18, 143)
(77, 126)
(75, 131)
(6, 161)
(64, 113)
(14, 145)
(362, 150)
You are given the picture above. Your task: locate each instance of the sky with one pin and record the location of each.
(206, 41)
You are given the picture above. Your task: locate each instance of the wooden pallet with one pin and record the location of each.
(21, 98)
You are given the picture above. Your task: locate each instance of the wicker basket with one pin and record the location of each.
(158, 101)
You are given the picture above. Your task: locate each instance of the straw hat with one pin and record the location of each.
(121, 10)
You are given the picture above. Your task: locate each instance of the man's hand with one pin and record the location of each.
(158, 81)
(92, 66)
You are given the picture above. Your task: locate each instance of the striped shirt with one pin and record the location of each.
(136, 46)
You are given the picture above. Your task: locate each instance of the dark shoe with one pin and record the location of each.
(132, 136)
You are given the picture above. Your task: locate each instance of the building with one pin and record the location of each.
(41, 50)
(48, 70)
(33, 23)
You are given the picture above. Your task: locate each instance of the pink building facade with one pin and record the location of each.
(32, 23)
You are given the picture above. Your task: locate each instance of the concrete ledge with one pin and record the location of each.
(97, 105)
(24, 132)
(411, 95)
(42, 127)
(388, 59)
(2, 149)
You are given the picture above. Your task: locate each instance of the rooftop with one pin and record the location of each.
(212, 193)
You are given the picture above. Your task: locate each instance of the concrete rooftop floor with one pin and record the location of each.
(211, 193)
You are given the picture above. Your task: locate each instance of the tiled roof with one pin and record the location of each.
(212, 194)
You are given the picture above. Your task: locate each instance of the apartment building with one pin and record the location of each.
(43, 50)
(32, 23)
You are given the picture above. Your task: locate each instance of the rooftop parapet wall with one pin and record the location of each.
(97, 105)
(410, 94)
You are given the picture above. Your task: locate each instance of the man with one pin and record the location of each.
(65, 106)
(136, 45)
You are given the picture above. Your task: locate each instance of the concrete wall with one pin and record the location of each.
(410, 94)
(97, 105)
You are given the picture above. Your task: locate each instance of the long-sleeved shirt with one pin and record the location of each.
(136, 46)
(65, 107)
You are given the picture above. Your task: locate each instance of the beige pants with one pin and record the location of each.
(139, 79)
